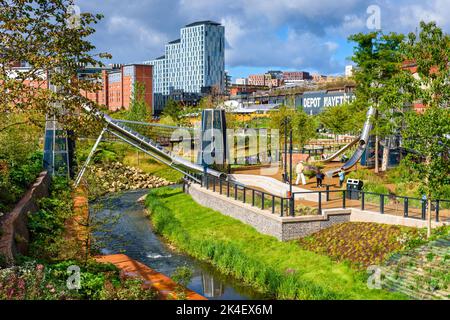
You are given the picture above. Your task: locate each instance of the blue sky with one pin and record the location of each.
(260, 34)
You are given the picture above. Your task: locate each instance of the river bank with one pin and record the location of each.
(130, 232)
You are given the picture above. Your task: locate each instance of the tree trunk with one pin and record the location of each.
(377, 169)
(429, 216)
(385, 160)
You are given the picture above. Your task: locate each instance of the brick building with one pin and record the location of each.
(117, 84)
(296, 75)
(239, 89)
(264, 80)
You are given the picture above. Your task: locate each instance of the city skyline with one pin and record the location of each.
(260, 35)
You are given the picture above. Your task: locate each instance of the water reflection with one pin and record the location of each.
(131, 233)
(211, 287)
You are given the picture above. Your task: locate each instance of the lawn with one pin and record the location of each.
(282, 269)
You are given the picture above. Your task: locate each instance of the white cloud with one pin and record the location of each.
(301, 34)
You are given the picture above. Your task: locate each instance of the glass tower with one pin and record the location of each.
(192, 64)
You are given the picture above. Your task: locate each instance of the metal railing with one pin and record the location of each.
(408, 207)
(254, 197)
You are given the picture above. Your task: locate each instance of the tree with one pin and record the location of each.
(378, 60)
(173, 109)
(46, 36)
(342, 118)
(302, 125)
(428, 134)
(138, 107)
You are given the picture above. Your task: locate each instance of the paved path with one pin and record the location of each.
(163, 284)
(273, 186)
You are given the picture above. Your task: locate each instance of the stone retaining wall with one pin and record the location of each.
(282, 228)
(14, 236)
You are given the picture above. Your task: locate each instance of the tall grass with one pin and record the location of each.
(282, 270)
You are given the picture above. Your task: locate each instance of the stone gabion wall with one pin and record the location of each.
(299, 229)
(14, 236)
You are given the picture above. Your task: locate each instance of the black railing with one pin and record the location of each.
(254, 197)
(409, 207)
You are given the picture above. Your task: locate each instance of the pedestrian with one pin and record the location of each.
(319, 178)
(341, 175)
(299, 171)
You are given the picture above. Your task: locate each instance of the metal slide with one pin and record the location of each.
(363, 139)
(341, 150)
(146, 145)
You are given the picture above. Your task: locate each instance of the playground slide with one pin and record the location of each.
(153, 149)
(341, 150)
(363, 139)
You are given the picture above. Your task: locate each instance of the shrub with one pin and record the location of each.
(46, 226)
(16, 177)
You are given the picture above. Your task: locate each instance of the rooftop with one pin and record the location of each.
(199, 23)
(175, 41)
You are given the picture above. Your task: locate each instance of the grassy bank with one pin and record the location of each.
(279, 268)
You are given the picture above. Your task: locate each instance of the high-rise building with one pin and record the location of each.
(194, 64)
(349, 71)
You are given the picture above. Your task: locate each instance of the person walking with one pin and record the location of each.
(319, 178)
(299, 171)
(341, 175)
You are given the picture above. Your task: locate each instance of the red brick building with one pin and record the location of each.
(237, 89)
(118, 86)
(264, 80)
(296, 75)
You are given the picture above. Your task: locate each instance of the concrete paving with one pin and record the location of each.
(273, 186)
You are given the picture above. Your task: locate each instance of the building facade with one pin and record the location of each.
(118, 85)
(296, 75)
(266, 79)
(194, 64)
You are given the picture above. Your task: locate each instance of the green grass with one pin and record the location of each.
(281, 269)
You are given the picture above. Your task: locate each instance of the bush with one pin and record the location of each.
(47, 225)
(16, 177)
(99, 281)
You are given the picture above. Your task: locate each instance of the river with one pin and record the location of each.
(126, 229)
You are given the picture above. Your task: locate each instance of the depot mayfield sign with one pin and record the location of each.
(314, 102)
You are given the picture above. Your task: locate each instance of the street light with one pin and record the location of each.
(286, 179)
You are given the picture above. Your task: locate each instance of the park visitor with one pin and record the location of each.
(300, 175)
(341, 175)
(319, 178)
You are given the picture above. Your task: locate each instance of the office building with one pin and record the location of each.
(192, 64)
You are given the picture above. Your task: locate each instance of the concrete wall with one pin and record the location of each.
(282, 228)
(368, 216)
(14, 236)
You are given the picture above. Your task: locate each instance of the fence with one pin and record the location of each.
(256, 198)
(408, 207)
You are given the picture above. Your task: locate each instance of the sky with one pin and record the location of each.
(260, 35)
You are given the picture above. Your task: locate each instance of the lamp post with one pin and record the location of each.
(285, 149)
(291, 202)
